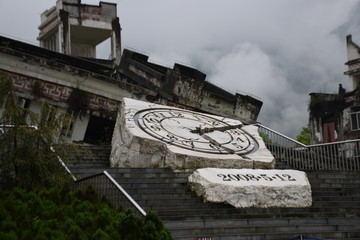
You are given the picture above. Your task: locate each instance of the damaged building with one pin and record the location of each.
(66, 72)
(336, 117)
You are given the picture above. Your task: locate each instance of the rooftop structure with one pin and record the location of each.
(76, 29)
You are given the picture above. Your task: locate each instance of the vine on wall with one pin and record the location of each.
(37, 89)
(78, 101)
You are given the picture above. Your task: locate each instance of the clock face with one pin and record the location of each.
(195, 131)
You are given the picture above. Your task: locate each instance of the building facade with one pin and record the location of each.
(336, 117)
(65, 72)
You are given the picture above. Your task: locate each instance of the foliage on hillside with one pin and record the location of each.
(60, 214)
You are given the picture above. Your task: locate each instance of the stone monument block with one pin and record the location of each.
(243, 188)
(152, 135)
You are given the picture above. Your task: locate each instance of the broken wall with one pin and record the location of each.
(187, 87)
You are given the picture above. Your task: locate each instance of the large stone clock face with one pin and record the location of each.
(195, 131)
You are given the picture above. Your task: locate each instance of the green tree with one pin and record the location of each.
(26, 157)
(305, 136)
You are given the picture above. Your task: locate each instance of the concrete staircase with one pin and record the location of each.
(86, 158)
(335, 213)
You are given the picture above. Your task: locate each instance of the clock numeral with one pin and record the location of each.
(235, 132)
(172, 137)
(199, 117)
(188, 143)
(176, 114)
(155, 128)
(159, 115)
(215, 147)
(151, 120)
(237, 145)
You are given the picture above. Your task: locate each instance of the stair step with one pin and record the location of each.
(157, 191)
(210, 223)
(146, 176)
(272, 235)
(93, 165)
(181, 214)
(335, 213)
(258, 229)
(327, 198)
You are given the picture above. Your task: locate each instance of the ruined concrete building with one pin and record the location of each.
(336, 117)
(64, 71)
(76, 29)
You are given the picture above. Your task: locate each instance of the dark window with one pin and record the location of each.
(99, 130)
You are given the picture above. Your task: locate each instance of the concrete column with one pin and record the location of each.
(116, 41)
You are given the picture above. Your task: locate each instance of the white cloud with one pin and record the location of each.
(277, 50)
(249, 69)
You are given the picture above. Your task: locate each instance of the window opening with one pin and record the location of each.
(355, 118)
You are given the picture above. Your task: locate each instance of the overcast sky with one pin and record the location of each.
(276, 50)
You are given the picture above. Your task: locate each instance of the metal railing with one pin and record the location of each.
(105, 186)
(4, 127)
(344, 155)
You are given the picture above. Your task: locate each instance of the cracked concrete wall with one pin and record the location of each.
(186, 87)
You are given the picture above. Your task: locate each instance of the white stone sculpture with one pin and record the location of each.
(243, 188)
(152, 135)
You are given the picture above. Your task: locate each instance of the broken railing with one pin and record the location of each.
(105, 186)
(344, 155)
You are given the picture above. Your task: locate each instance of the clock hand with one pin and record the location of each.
(187, 128)
(216, 143)
(202, 131)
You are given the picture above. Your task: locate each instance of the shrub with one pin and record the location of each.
(60, 214)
